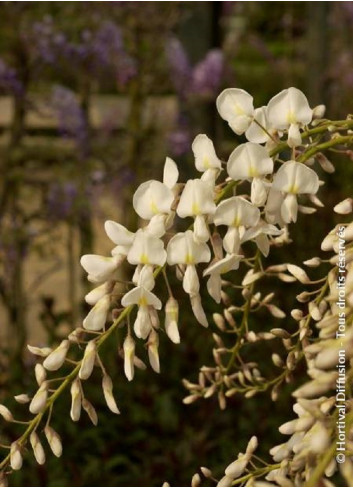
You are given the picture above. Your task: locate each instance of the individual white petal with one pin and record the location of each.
(249, 160)
(210, 176)
(255, 133)
(151, 198)
(294, 137)
(273, 206)
(214, 287)
(228, 263)
(96, 318)
(146, 278)
(231, 240)
(236, 212)
(142, 325)
(288, 107)
(184, 249)
(289, 208)
(170, 173)
(296, 178)
(99, 268)
(201, 232)
(141, 297)
(258, 192)
(191, 283)
(236, 107)
(197, 309)
(204, 153)
(97, 293)
(118, 233)
(263, 244)
(156, 226)
(196, 199)
(261, 228)
(146, 250)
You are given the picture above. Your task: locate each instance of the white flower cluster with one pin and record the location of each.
(240, 218)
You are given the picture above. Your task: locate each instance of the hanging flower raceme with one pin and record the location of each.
(206, 160)
(250, 161)
(238, 214)
(197, 201)
(236, 107)
(289, 110)
(153, 200)
(292, 179)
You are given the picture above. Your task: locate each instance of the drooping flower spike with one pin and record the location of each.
(250, 161)
(289, 110)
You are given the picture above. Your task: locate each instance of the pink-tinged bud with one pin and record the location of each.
(153, 356)
(276, 311)
(15, 456)
(6, 413)
(107, 386)
(39, 400)
(76, 400)
(129, 357)
(57, 357)
(171, 320)
(40, 373)
(90, 410)
(344, 207)
(54, 441)
(37, 448)
(88, 360)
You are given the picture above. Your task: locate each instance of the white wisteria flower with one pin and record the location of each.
(206, 160)
(292, 179)
(289, 110)
(250, 161)
(144, 299)
(101, 268)
(237, 108)
(260, 233)
(120, 236)
(238, 214)
(183, 249)
(146, 250)
(218, 268)
(197, 201)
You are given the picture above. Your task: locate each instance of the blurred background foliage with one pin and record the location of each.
(93, 96)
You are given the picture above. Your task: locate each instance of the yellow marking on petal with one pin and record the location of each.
(195, 209)
(154, 208)
(253, 172)
(293, 189)
(189, 260)
(206, 162)
(291, 118)
(144, 259)
(237, 221)
(143, 301)
(238, 110)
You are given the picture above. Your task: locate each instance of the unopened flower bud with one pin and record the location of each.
(22, 398)
(313, 262)
(196, 480)
(344, 207)
(198, 311)
(76, 400)
(6, 413)
(171, 320)
(37, 448)
(153, 342)
(129, 356)
(15, 456)
(88, 360)
(40, 352)
(107, 386)
(325, 163)
(57, 357)
(54, 441)
(40, 373)
(39, 400)
(90, 410)
(298, 273)
(319, 111)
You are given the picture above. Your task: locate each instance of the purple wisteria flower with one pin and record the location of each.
(207, 74)
(9, 81)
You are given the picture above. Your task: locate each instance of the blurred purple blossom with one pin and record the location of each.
(181, 69)
(207, 74)
(9, 81)
(179, 141)
(71, 118)
(61, 199)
